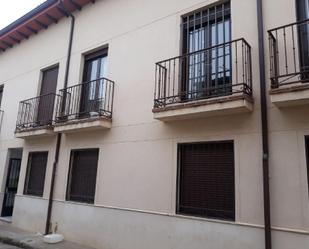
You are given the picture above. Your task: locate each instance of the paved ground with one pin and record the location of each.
(14, 236)
(4, 246)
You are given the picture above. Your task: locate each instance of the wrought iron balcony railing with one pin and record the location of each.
(217, 71)
(289, 54)
(86, 100)
(37, 112)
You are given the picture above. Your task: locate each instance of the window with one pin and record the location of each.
(94, 87)
(35, 177)
(1, 94)
(208, 72)
(82, 175)
(206, 180)
(302, 10)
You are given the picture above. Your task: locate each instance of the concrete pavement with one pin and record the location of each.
(5, 246)
(10, 235)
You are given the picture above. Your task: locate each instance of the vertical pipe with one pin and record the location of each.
(264, 119)
(59, 136)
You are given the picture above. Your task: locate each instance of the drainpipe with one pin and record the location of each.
(264, 118)
(59, 136)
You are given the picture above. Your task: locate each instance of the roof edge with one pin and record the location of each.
(27, 16)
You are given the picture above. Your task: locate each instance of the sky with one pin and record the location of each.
(13, 9)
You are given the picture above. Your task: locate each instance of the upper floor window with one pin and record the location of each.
(206, 27)
(302, 7)
(209, 72)
(95, 86)
(95, 65)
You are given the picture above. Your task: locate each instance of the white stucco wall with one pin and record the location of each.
(137, 162)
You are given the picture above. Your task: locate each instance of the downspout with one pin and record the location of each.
(264, 119)
(59, 136)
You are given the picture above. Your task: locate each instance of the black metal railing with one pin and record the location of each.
(37, 112)
(221, 70)
(86, 100)
(289, 54)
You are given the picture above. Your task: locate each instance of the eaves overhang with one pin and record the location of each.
(49, 12)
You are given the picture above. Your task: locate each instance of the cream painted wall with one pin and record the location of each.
(137, 164)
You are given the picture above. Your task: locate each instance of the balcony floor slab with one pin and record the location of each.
(34, 133)
(205, 108)
(294, 95)
(88, 124)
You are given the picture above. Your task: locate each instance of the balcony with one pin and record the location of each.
(289, 64)
(85, 107)
(36, 115)
(210, 82)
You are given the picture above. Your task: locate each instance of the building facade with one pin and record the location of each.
(148, 132)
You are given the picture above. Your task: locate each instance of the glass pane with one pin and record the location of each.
(93, 76)
(303, 37)
(196, 63)
(102, 83)
(208, 68)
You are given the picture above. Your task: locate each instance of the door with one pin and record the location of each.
(93, 88)
(207, 66)
(11, 187)
(303, 37)
(47, 99)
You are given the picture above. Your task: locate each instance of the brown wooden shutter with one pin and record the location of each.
(36, 169)
(82, 175)
(206, 180)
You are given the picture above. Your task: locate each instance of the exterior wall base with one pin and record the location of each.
(30, 213)
(112, 228)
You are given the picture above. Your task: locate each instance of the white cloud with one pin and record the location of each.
(13, 9)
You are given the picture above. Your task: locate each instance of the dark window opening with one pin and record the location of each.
(35, 177)
(94, 88)
(206, 185)
(207, 73)
(82, 175)
(11, 187)
(302, 9)
(45, 103)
